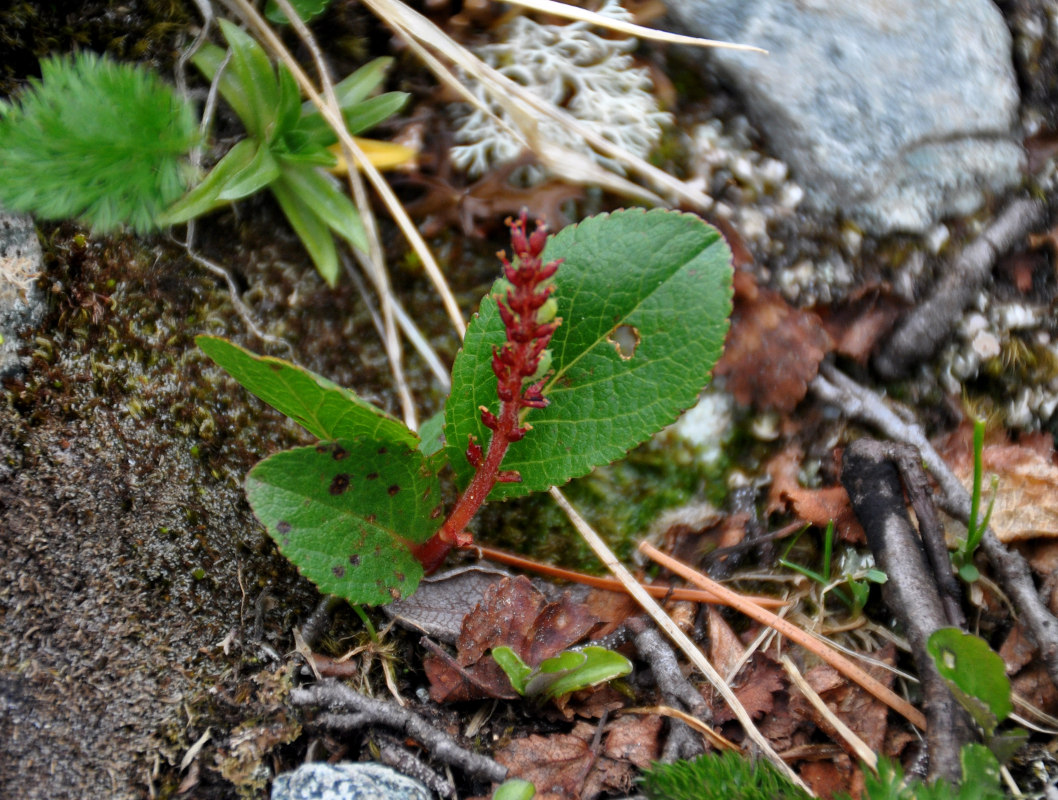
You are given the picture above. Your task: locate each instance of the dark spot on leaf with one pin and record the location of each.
(394, 592)
(625, 340)
(393, 490)
(339, 484)
(372, 476)
(339, 571)
(426, 494)
(354, 559)
(370, 518)
(283, 526)
(321, 448)
(399, 576)
(436, 512)
(339, 453)
(274, 366)
(382, 451)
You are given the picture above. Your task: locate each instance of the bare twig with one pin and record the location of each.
(603, 552)
(351, 710)
(924, 330)
(870, 476)
(675, 688)
(857, 747)
(792, 632)
(1011, 569)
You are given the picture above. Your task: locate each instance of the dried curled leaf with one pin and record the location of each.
(773, 350)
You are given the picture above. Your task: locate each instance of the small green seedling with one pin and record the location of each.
(570, 671)
(853, 588)
(514, 789)
(541, 393)
(286, 146)
(980, 780)
(109, 143)
(962, 557)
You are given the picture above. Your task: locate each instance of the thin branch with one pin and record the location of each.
(603, 552)
(1013, 572)
(852, 671)
(360, 711)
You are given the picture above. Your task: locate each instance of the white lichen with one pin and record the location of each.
(590, 77)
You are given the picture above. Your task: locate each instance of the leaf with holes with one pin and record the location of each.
(324, 409)
(347, 512)
(975, 674)
(644, 297)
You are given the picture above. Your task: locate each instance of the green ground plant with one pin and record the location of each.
(569, 671)
(641, 303)
(962, 557)
(110, 144)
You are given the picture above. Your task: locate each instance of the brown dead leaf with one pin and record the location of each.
(828, 778)
(564, 766)
(1026, 505)
(1016, 650)
(865, 715)
(817, 506)
(1035, 687)
(634, 739)
(755, 687)
(773, 350)
(856, 324)
(725, 648)
(513, 613)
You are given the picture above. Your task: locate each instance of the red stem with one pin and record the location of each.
(517, 361)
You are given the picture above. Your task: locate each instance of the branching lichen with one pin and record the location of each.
(590, 77)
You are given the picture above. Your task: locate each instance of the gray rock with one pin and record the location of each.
(360, 781)
(22, 302)
(893, 112)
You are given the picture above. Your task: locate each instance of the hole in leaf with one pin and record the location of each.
(625, 340)
(339, 571)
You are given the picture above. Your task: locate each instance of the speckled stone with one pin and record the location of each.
(360, 781)
(895, 113)
(22, 302)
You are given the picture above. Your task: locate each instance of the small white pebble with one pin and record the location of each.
(986, 344)
(772, 172)
(937, 237)
(851, 240)
(742, 168)
(974, 324)
(723, 211)
(791, 195)
(752, 223)
(1016, 316)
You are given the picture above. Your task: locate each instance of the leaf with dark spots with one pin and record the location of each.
(339, 483)
(773, 350)
(392, 490)
(350, 538)
(372, 476)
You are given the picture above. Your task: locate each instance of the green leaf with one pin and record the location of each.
(514, 789)
(256, 76)
(319, 192)
(980, 772)
(289, 101)
(664, 279)
(209, 60)
(346, 513)
(358, 119)
(310, 228)
(306, 10)
(510, 662)
(261, 171)
(574, 670)
(321, 407)
(204, 197)
(974, 673)
(432, 434)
